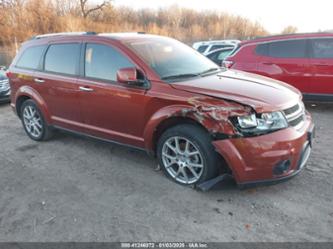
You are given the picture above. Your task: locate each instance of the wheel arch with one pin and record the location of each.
(26, 93)
(171, 122)
(163, 120)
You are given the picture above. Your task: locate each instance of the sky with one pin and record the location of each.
(307, 16)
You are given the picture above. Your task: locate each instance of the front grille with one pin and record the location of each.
(295, 115)
(291, 110)
(4, 84)
(296, 121)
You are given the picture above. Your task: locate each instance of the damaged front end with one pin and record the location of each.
(215, 115)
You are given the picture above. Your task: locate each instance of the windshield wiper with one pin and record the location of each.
(189, 75)
(209, 70)
(179, 76)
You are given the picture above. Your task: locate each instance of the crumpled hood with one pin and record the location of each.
(261, 93)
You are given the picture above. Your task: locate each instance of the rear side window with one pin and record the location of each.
(202, 48)
(214, 47)
(31, 57)
(262, 49)
(62, 58)
(222, 55)
(235, 50)
(322, 48)
(288, 49)
(103, 62)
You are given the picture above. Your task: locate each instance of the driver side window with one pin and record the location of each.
(103, 62)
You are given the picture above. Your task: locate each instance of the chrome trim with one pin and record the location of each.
(300, 112)
(39, 80)
(295, 114)
(299, 125)
(4, 85)
(86, 89)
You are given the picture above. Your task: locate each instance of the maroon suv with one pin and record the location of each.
(304, 61)
(157, 94)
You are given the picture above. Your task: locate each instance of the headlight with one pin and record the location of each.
(246, 122)
(264, 122)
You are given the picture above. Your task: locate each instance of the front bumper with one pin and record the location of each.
(274, 157)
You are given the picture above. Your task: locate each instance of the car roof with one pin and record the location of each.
(214, 42)
(287, 37)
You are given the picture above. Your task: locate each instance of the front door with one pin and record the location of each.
(110, 109)
(287, 61)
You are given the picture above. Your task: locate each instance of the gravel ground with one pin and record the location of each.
(78, 189)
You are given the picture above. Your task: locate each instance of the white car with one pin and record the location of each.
(205, 47)
(4, 86)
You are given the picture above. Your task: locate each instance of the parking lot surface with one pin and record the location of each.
(78, 189)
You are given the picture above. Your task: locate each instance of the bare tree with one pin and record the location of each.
(289, 30)
(85, 11)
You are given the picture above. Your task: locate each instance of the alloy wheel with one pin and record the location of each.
(182, 160)
(32, 121)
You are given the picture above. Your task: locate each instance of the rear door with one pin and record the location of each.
(322, 66)
(286, 61)
(58, 83)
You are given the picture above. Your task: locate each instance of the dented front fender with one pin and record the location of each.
(213, 114)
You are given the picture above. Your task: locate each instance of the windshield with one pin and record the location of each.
(171, 59)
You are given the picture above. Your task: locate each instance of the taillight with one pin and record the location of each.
(9, 74)
(227, 64)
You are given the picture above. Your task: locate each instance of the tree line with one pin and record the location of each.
(22, 19)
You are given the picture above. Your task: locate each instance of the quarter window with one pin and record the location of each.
(202, 48)
(62, 58)
(322, 48)
(288, 49)
(262, 49)
(103, 62)
(30, 58)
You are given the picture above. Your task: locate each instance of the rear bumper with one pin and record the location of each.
(270, 158)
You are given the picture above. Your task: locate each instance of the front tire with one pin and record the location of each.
(34, 123)
(186, 155)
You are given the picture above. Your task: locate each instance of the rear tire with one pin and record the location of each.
(34, 123)
(186, 155)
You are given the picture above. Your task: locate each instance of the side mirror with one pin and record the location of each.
(129, 75)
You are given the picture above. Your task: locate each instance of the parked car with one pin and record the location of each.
(304, 61)
(157, 94)
(218, 56)
(4, 86)
(205, 47)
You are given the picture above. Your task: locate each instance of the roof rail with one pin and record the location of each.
(62, 34)
(291, 34)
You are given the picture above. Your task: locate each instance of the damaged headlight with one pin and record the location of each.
(262, 123)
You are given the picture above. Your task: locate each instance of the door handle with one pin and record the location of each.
(39, 80)
(268, 63)
(86, 89)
